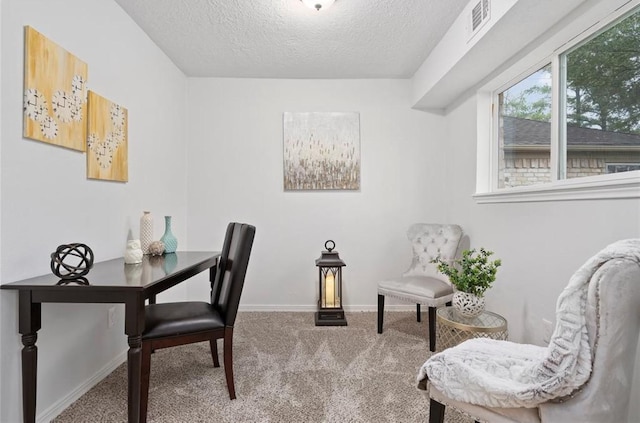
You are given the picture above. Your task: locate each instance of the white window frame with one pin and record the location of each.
(609, 186)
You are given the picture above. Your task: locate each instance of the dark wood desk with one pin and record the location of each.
(109, 282)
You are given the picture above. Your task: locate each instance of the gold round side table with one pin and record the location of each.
(454, 329)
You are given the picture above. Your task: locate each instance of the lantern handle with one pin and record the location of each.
(326, 245)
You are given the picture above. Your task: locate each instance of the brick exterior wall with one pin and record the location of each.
(523, 169)
(585, 166)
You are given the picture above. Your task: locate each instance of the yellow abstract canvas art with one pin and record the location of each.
(55, 93)
(107, 140)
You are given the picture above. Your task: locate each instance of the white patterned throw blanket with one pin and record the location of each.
(494, 373)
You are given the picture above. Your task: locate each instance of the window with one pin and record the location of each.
(576, 116)
(602, 100)
(524, 129)
(622, 167)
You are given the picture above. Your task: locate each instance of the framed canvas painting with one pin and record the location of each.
(107, 140)
(321, 150)
(55, 93)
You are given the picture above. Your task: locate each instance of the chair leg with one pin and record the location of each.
(436, 411)
(432, 329)
(380, 312)
(144, 381)
(213, 343)
(228, 361)
(418, 312)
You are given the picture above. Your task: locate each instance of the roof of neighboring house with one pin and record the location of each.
(526, 132)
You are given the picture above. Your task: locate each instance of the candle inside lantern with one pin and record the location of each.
(330, 289)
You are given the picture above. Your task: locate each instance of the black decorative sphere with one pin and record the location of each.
(71, 261)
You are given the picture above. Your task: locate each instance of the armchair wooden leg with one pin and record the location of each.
(228, 361)
(436, 412)
(144, 380)
(380, 312)
(432, 329)
(213, 343)
(418, 312)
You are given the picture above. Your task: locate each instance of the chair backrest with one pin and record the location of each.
(232, 268)
(431, 240)
(613, 324)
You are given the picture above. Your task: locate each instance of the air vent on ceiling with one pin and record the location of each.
(480, 14)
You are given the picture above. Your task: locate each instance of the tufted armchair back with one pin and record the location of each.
(429, 241)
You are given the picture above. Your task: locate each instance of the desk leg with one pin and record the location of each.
(134, 372)
(133, 327)
(29, 376)
(29, 321)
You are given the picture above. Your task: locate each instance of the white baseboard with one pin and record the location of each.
(58, 407)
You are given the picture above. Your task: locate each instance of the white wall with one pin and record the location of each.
(1, 343)
(46, 199)
(222, 140)
(541, 244)
(235, 173)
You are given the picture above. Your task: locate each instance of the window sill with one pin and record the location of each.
(594, 188)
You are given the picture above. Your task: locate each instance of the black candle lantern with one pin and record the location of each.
(330, 312)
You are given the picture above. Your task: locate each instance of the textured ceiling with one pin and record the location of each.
(285, 39)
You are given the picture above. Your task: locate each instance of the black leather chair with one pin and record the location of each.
(173, 324)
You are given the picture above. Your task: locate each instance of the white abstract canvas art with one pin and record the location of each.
(321, 151)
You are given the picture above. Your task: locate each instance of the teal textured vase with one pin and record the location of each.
(169, 240)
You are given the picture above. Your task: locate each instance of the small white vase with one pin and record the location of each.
(467, 305)
(133, 253)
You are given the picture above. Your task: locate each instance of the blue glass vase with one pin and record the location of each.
(169, 240)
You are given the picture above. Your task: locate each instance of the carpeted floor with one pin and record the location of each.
(286, 370)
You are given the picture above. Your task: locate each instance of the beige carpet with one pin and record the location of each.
(286, 370)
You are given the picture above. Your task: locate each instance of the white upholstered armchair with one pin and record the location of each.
(585, 374)
(423, 283)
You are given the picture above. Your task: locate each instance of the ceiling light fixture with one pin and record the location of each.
(318, 4)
